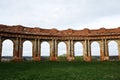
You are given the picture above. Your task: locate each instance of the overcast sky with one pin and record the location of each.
(61, 14)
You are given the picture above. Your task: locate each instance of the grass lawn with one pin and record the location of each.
(78, 70)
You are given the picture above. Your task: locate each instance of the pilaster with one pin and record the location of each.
(36, 50)
(0, 48)
(102, 50)
(53, 50)
(106, 50)
(17, 50)
(70, 50)
(87, 50)
(118, 49)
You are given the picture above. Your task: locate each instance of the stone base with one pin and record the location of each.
(106, 58)
(70, 58)
(53, 59)
(36, 59)
(88, 59)
(102, 58)
(119, 58)
(16, 59)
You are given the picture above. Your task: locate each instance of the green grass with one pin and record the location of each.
(77, 70)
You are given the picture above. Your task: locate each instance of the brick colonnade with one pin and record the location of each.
(36, 48)
(19, 34)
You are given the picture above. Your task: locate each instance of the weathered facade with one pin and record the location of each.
(18, 34)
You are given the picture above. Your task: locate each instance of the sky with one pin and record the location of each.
(61, 14)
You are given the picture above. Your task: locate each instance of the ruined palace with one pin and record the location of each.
(19, 34)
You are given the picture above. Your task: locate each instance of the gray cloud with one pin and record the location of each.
(60, 14)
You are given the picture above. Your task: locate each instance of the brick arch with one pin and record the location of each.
(27, 50)
(45, 50)
(12, 39)
(7, 50)
(60, 45)
(95, 50)
(79, 43)
(113, 49)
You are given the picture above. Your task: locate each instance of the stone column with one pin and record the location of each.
(20, 48)
(56, 49)
(36, 50)
(106, 50)
(118, 49)
(0, 48)
(87, 50)
(70, 50)
(33, 49)
(53, 50)
(17, 51)
(102, 50)
(39, 49)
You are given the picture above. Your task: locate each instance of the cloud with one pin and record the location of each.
(61, 14)
(106, 22)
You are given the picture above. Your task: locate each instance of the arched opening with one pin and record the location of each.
(113, 50)
(78, 51)
(95, 50)
(61, 51)
(45, 51)
(7, 50)
(27, 50)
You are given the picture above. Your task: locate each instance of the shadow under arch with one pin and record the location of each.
(45, 51)
(95, 50)
(113, 50)
(78, 51)
(62, 51)
(7, 50)
(27, 50)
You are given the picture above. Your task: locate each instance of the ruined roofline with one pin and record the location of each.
(54, 32)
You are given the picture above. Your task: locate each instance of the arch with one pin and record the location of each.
(78, 50)
(27, 50)
(95, 50)
(45, 50)
(113, 50)
(7, 50)
(62, 51)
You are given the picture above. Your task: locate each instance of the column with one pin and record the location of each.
(33, 49)
(17, 52)
(87, 50)
(102, 50)
(89, 58)
(53, 50)
(36, 50)
(118, 49)
(39, 48)
(106, 50)
(20, 49)
(0, 48)
(56, 48)
(70, 50)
